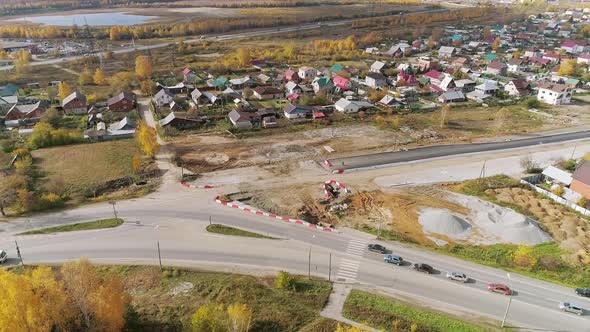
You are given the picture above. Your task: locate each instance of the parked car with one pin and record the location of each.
(499, 288)
(421, 267)
(377, 248)
(585, 292)
(457, 276)
(393, 259)
(3, 256)
(568, 307)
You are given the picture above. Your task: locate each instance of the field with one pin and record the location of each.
(165, 301)
(382, 312)
(79, 169)
(84, 226)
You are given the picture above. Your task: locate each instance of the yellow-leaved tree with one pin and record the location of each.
(99, 77)
(147, 139)
(64, 90)
(239, 317)
(209, 318)
(568, 67)
(143, 67)
(33, 301)
(243, 55)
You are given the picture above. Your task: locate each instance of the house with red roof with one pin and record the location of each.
(342, 83)
(292, 75)
(576, 46)
(552, 56)
(189, 76)
(584, 58)
(435, 76)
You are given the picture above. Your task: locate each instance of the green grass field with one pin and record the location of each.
(158, 306)
(78, 169)
(380, 312)
(83, 226)
(226, 230)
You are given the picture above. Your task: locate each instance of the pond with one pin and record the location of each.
(99, 19)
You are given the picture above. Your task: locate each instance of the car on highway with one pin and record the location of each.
(569, 307)
(393, 259)
(585, 292)
(499, 288)
(377, 248)
(457, 276)
(3, 256)
(421, 267)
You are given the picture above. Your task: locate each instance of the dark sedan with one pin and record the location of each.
(423, 268)
(377, 248)
(585, 292)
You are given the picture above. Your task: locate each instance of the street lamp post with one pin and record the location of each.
(113, 203)
(509, 302)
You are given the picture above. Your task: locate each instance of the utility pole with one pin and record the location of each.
(18, 253)
(159, 257)
(113, 203)
(574, 151)
(209, 220)
(330, 269)
(309, 265)
(507, 306)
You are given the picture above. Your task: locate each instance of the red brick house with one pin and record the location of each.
(74, 104)
(30, 111)
(123, 102)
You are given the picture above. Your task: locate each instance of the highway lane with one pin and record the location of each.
(255, 33)
(436, 151)
(184, 241)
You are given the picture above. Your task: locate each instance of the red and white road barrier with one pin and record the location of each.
(273, 216)
(197, 187)
(338, 171)
(328, 163)
(334, 182)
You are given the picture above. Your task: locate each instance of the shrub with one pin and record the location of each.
(285, 281)
(582, 202)
(559, 191)
(533, 102)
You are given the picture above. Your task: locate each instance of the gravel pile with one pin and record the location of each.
(441, 221)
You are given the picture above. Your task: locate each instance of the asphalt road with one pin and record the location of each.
(435, 151)
(178, 219)
(255, 33)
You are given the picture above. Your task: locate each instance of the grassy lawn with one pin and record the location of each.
(83, 226)
(78, 169)
(226, 230)
(380, 312)
(159, 305)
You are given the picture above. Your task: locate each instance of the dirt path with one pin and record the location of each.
(73, 72)
(333, 308)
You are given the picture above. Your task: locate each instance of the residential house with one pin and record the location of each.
(264, 79)
(554, 93)
(292, 87)
(426, 63)
(518, 88)
(375, 80)
(377, 67)
(515, 65)
(573, 83)
(75, 103)
(581, 179)
(398, 50)
(576, 46)
(240, 120)
(342, 83)
(584, 59)
(125, 124)
(533, 53)
(307, 73)
(451, 97)
(322, 84)
(465, 85)
(447, 83)
(259, 64)
(123, 102)
(555, 175)
(291, 75)
(241, 82)
(447, 52)
(461, 62)
(247, 120)
(163, 97)
(435, 77)
(6, 103)
(488, 87)
(267, 93)
(189, 76)
(552, 56)
(174, 89)
(292, 111)
(496, 68)
(29, 111)
(351, 106)
(181, 120)
(538, 62)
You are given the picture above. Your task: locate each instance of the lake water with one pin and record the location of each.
(100, 19)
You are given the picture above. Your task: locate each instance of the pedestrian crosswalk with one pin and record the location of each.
(348, 268)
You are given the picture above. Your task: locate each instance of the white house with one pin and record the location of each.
(351, 106)
(307, 73)
(554, 93)
(514, 65)
(446, 52)
(377, 66)
(517, 88)
(163, 97)
(375, 80)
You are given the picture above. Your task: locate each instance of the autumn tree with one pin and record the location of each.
(33, 301)
(444, 113)
(568, 68)
(109, 305)
(64, 90)
(209, 318)
(143, 66)
(239, 317)
(99, 78)
(147, 139)
(147, 87)
(496, 44)
(243, 55)
(136, 163)
(523, 257)
(22, 62)
(108, 55)
(85, 77)
(487, 33)
(516, 55)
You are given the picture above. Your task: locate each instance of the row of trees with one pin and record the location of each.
(75, 297)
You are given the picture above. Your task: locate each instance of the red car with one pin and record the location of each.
(499, 288)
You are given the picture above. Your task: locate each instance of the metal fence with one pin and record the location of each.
(556, 198)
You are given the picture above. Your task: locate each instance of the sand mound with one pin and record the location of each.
(497, 224)
(441, 221)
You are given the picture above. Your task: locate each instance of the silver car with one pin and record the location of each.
(457, 276)
(568, 307)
